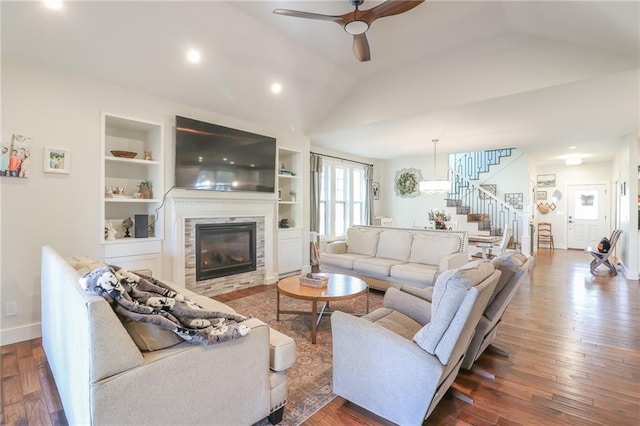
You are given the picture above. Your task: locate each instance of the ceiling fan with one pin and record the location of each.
(358, 22)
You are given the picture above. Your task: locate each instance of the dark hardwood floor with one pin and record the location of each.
(574, 343)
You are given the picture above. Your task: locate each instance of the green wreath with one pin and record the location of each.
(407, 183)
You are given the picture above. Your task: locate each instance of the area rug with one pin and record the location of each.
(310, 378)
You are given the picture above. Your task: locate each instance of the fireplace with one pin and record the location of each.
(224, 249)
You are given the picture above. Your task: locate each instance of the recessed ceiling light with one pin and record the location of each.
(53, 4)
(276, 88)
(573, 161)
(194, 56)
(572, 147)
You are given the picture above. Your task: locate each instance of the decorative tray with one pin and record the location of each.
(124, 154)
(312, 280)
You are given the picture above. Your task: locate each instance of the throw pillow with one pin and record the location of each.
(149, 337)
(84, 264)
(428, 249)
(448, 294)
(508, 263)
(360, 241)
(394, 245)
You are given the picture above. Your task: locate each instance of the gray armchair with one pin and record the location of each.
(399, 360)
(514, 268)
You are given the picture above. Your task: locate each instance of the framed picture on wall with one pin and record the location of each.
(57, 160)
(15, 158)
(375, 189)
(546, 181)
(541, 195)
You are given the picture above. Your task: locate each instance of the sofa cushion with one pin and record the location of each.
(344, 261)
(362, 241)
(395, 321)
(394, 245)
(375, 265)
(428, 249)
(417, 272)
(448, 294)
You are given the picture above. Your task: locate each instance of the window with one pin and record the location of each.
(342, 197)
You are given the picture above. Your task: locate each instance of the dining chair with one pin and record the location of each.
(545, 235)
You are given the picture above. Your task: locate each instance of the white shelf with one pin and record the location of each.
(131, 200)
(131, 160)
(130, 240)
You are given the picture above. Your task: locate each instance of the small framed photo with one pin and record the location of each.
(57, 160)
(375, 188)
(541, 195)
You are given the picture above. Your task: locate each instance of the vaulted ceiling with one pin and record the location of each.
(537, 75)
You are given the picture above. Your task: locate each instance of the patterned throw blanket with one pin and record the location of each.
(146, 299)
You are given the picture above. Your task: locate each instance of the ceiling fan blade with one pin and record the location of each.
(388, 8)
(340, 20)
(361, 47)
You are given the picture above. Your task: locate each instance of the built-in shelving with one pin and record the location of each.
(121, 197)
(290, 226)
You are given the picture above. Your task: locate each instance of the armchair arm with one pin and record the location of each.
(336, 247)
(452, 261)
(414, 307)
(425, 293)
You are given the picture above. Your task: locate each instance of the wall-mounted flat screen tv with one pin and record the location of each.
(217, 158)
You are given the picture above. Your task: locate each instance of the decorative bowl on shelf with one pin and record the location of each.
(124, 154)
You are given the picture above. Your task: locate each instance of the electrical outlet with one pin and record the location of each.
(11, 309)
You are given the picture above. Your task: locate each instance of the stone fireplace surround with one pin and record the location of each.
(186, 208)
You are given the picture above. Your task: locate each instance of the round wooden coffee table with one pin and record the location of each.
(340, 287)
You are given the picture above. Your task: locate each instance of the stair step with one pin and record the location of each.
(474, 217)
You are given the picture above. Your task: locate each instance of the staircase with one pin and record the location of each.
(477, 209)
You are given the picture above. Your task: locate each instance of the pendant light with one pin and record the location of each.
(435, 186)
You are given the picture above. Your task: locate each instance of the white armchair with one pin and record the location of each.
(399, 360)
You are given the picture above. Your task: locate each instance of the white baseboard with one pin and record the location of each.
(20, 334)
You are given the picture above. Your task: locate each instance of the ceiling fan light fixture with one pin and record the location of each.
(356, 27)
(435, 186)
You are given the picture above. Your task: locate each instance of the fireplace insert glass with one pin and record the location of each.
(224, 249)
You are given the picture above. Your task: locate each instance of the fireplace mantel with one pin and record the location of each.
(201, 205)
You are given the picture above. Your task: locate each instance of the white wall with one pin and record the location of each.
(63, 210)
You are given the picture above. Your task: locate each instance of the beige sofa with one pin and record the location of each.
(105, 378)
(395, 256)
